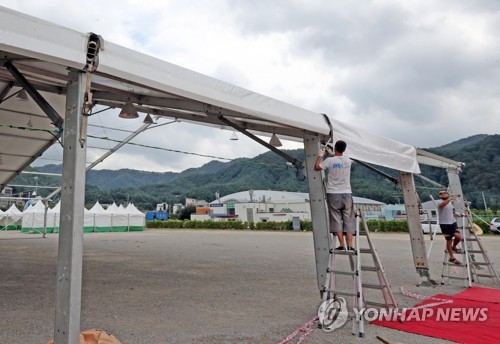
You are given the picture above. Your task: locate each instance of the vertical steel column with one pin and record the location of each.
(69, 264)
(459, 202)
(319, 213)
(456, 190)
(414, 226)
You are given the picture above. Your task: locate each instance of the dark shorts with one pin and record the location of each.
(449, 229)
(341, 213)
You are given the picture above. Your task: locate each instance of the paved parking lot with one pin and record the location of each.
(177, 286)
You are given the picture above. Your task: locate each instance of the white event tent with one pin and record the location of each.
(9, 220)
(114, 219)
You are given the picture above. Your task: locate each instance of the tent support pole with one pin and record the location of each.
(414, 227)
(319, 215)
(46, 208)
(70, 253)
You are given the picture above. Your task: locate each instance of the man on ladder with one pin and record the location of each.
(339, 195)
(449, 225)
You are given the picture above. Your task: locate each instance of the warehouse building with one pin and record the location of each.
(270, 205)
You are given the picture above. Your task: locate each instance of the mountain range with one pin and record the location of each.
(480, 177)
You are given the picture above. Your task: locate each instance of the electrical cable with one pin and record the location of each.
(300, 178)
(51, 132)
(159, 148)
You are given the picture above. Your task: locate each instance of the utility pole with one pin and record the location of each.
(36, 185)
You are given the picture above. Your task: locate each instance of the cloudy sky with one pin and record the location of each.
(421, 72)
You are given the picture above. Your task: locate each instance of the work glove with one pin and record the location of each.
(329, 150)
(321, 151)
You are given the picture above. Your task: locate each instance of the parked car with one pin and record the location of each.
(433, 226)
(495, 225)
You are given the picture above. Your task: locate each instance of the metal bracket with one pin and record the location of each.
(93, 46)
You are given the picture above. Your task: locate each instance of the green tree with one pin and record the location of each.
(185, 213)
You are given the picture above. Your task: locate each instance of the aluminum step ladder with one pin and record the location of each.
(332, 292)
(470, 269)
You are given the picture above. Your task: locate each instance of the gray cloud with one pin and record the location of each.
(405, 61)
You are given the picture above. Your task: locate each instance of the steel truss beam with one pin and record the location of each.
(212, 119)
(39, 100)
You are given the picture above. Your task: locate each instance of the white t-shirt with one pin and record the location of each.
(445, 214)
(339, 174)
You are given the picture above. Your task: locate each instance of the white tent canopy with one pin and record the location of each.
(54, 215)
(10, 218)
(33, 216)
(135, 216)
(97, 208)
(14, 212)
(42, 52)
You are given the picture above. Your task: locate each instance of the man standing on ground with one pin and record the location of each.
(339, 195)
(448, 225)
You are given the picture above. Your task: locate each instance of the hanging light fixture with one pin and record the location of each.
(234, 137)
(22, 96)
(128, 110)
(148, 119)
(275, 141)
(29, 124)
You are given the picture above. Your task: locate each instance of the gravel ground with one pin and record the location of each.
(177, 286)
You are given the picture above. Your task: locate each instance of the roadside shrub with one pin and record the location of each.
(306, 226)
(236, 225)
(387, 226)
(164, 224)
(274, 226)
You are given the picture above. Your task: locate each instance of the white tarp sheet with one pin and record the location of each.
(375, 149)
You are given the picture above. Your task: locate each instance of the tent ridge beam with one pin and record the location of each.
(431, 159)
(211, 119)
(174, 103)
